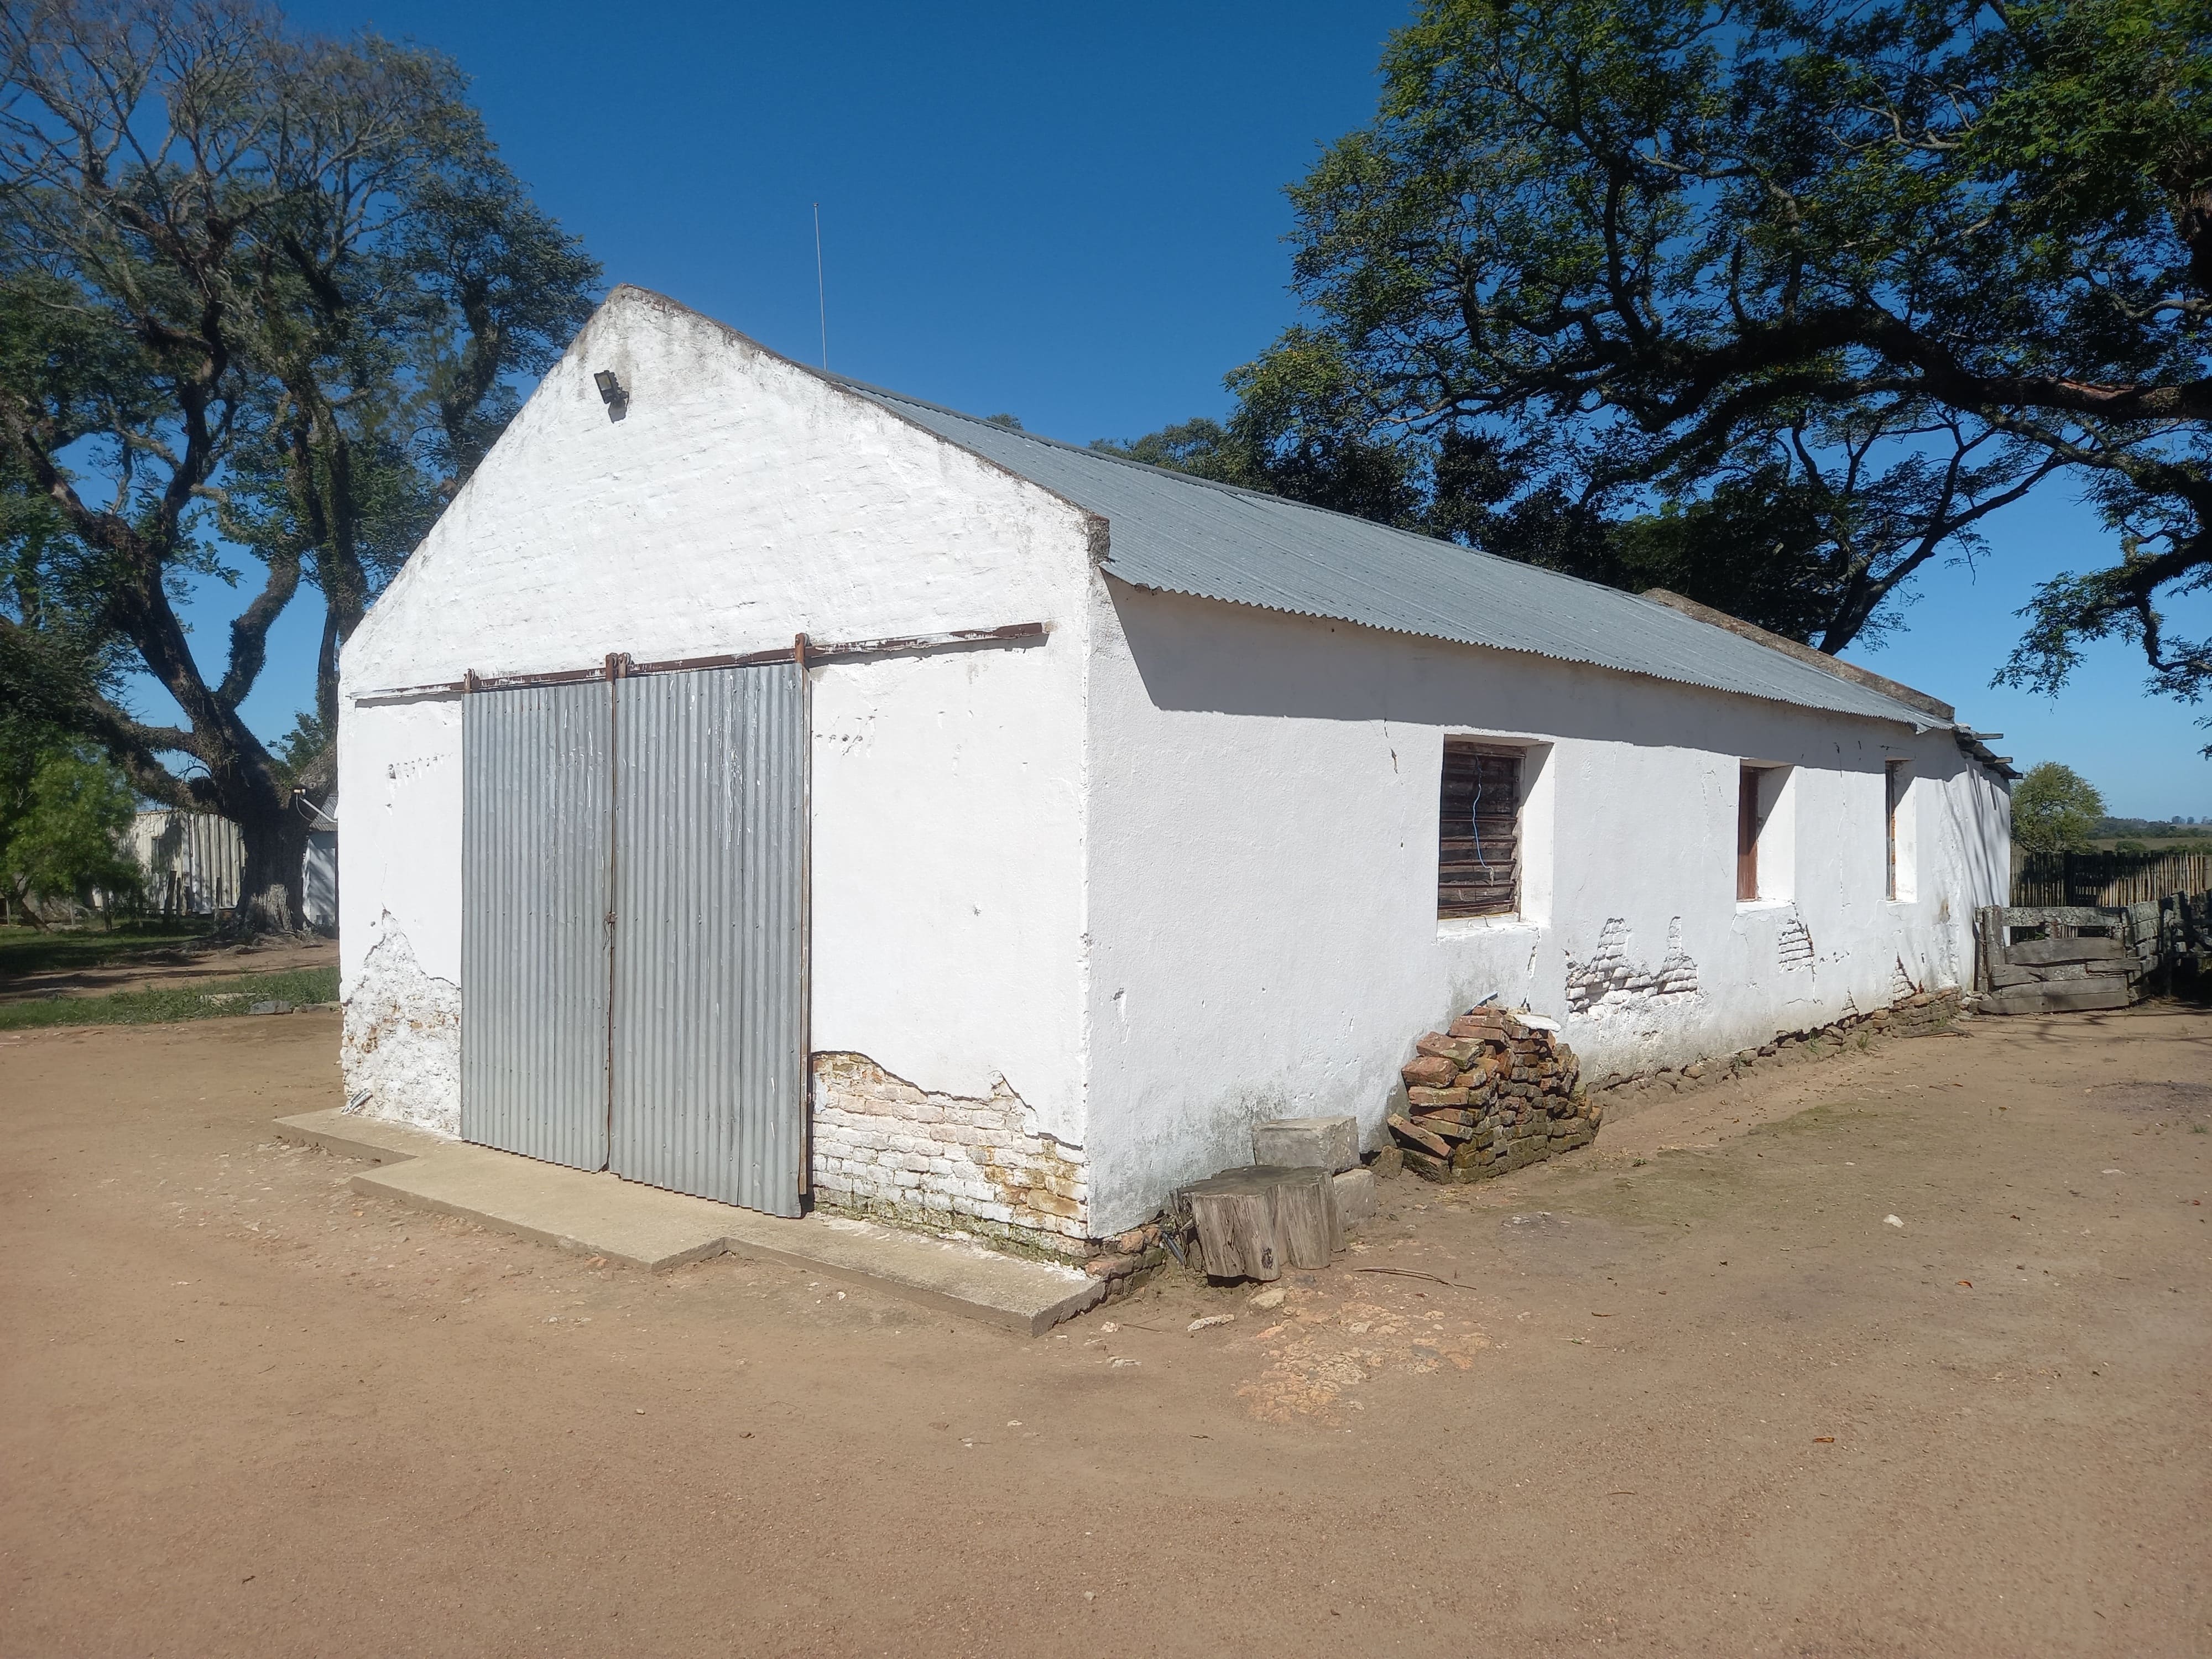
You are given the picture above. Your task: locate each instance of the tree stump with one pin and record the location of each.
(1254, 1222)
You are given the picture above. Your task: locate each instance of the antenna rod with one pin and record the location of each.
(821, 291)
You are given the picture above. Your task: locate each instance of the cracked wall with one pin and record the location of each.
(1613, 980)
(881, 1143)
(402, 1039)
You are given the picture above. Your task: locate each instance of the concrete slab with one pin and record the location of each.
(624, 1221)
(370, 1139)
(945, 1273)
(599, 1214)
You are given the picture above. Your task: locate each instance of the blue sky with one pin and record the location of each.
(1071, 213)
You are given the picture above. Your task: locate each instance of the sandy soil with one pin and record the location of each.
(181, 964)
(1700, 1401)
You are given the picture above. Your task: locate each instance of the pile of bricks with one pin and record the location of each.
(1496, 1092)
(1130, 1262)
(1924, 1013)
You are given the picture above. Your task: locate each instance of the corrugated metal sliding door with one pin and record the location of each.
(536, 822)
(710, 971)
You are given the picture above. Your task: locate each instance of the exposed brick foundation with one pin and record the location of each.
(884, 1145)
(1920, 1013)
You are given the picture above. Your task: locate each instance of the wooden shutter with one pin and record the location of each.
(1479, 830)
(1746, 834)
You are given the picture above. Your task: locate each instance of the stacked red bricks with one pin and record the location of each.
(1491, 1094)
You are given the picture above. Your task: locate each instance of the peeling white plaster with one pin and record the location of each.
(1901, 983)
(1794, 950)
(1613, 983)
(402, 1039)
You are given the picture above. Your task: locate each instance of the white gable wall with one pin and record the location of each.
(1262, 866)
(741, 500)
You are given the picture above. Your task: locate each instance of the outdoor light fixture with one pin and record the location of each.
(611, 393)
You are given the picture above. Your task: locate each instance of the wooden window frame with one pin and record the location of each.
(1896, 778)
(1748, 824)
(1495, 836)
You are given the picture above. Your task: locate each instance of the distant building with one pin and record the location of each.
(761, 784)
(194, 862)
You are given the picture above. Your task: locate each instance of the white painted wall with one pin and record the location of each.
(1262, 866)
(948, 875)
(740, 500)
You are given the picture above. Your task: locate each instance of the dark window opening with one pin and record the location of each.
(1479, 830)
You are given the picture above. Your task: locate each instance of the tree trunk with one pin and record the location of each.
(269, 887)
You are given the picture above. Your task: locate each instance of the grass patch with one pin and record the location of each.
(209, 1000)
(25, 950)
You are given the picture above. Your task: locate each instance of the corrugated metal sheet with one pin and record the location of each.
(319, 880)
(535, 818)
(710, 1031)
(193, 860)
(1188, 536)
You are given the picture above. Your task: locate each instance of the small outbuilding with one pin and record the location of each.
(764, 786)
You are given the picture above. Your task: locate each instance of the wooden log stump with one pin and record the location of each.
(1254, 1222)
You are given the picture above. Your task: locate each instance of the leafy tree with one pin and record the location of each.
(1777, 300)
(61, 830)
(2054, 808)
(1284, 440)
(300, 751)
(258, 295)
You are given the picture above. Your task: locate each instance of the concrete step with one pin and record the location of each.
(599, 1214)
(624, 1221)
(368, 1138)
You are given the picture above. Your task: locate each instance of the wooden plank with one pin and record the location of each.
(2064, 996)
(890, 646)
(2062, 915)
(2043, 953)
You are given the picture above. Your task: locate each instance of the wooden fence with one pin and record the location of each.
(2108, 879)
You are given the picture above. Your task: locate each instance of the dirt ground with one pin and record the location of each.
(1688, 1393)
(161, 966)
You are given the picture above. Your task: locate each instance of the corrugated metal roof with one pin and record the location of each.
(1189, 536)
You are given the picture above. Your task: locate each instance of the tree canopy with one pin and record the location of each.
(2054, 808)
(62, 814)
(1769, 303)
(263, 301)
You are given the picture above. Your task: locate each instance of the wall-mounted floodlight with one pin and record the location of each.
(611, 394)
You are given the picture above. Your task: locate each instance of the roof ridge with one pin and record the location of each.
(1241, 491)
(1811, 656)
(1371, 575)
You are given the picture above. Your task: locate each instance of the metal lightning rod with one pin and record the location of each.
(821, 289)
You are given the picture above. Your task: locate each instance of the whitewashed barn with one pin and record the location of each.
(764, 784)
